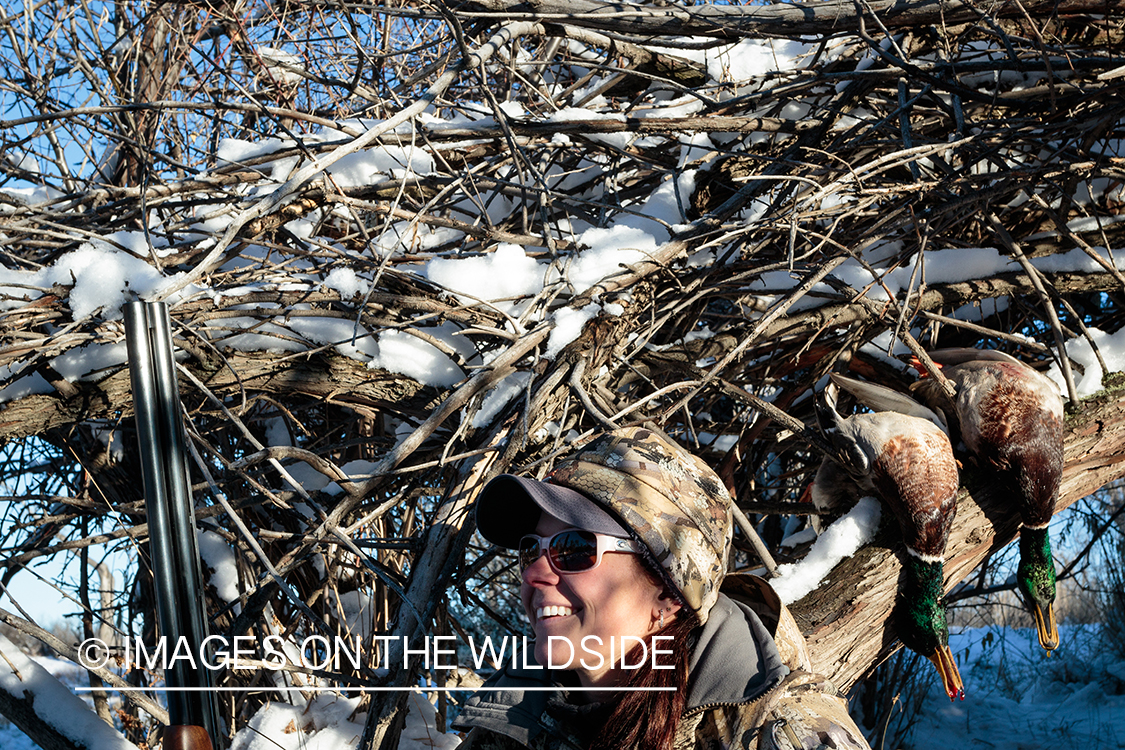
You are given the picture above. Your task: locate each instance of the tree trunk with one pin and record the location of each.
(780, 19)
(326, 375)
(445, 542)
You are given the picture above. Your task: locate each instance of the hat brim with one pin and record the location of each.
(509, 508)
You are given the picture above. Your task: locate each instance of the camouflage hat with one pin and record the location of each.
(668, 498)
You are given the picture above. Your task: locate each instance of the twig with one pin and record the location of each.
(587, 403)
(779, 309)
(1023, 341)
(777, 415)
(1045, 299)
(755, 541)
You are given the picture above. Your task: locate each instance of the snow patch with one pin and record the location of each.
(347, 283)
(220, 558)
(505, 272)
(568, 326)
(840, 540)
(54, 703)
(1089, 382)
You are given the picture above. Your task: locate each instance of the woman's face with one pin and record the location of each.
(617, 598)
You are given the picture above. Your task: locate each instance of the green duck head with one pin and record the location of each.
(921, 621)
(1036, 579)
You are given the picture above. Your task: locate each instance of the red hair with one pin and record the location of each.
(649, 720)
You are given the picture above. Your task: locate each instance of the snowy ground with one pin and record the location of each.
(1017, 699)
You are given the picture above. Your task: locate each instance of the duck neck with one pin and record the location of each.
(1036, 580)
(1037, 568)
(925, 624)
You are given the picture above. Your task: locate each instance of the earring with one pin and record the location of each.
(661, 624)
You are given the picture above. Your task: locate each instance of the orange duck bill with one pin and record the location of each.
(1045, 624)
(950, 677)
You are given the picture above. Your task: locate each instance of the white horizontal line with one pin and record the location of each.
(363, 689)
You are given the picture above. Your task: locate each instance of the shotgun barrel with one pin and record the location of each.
(193, 718)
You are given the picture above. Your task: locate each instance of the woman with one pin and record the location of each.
(626, 543)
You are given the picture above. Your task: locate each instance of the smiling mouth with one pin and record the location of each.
(545, 612)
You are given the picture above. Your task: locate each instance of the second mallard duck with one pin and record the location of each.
(900, 454)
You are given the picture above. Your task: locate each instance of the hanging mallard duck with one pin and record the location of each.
(1011, 418)
(900, 454)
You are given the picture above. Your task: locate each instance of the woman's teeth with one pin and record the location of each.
(544, 612)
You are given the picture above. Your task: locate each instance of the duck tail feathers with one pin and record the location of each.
(958, 355)
(827, 418)
(881, 398)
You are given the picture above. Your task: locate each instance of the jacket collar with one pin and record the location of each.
(735, 659)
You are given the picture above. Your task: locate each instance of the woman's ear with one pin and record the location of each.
(669, 602)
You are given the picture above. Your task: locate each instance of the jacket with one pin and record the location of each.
(741, 694)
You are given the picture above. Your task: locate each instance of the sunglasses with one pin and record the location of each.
(573, 550)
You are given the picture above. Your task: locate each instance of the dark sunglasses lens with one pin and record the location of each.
(528, 552)
(573, 551)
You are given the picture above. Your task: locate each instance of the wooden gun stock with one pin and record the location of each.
(186, 738)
